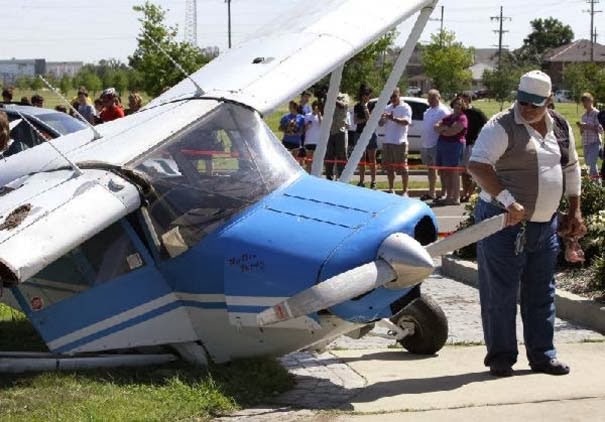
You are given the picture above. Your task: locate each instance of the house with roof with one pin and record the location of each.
(579, 51)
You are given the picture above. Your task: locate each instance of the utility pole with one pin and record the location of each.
(229, 21)
(441, 19)
(592, 28)
(500, 32)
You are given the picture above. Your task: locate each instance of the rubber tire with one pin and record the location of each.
(430, 326)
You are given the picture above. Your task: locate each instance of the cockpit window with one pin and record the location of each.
(209, 171)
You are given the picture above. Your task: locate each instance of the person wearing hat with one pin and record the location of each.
(524, 160)
(111, 109)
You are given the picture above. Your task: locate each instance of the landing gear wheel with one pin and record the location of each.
(430, 326)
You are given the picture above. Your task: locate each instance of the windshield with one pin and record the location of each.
(203, 175)
(61, 122)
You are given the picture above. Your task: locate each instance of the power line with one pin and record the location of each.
(500, 32)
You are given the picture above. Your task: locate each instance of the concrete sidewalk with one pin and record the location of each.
(455, 386)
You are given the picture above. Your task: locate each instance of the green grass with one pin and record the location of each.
(160, 393)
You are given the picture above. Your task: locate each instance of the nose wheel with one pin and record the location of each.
(430, 326)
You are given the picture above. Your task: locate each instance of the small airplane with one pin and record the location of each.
(188, 225)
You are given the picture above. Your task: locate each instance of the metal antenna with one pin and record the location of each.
(58, 93)
(73, 165)
(199, 90)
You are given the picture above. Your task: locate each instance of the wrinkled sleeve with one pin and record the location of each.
(490, 145)
(407, 113)
(573, 182)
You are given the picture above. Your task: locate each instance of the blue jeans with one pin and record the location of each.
(501, 272)
(591, 155)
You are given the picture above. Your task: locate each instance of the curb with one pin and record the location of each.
(571, 307)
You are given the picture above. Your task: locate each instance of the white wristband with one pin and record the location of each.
(506, 198)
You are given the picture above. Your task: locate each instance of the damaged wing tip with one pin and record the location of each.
(8, 278)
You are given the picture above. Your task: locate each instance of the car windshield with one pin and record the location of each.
(204, 174)
(61, 122)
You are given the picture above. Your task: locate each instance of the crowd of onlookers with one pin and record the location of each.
(107, 107)
(447, 138)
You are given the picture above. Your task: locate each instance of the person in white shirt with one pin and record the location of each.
(312, 131)
(524, 160)
(434, 114)
(396, 118)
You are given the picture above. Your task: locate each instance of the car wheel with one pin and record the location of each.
(430, 326)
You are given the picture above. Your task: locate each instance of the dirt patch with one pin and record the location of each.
(577, 282)
(16, 217)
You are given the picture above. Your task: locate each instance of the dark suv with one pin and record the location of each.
(50, 123)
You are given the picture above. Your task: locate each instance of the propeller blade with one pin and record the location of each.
(400, 258)
(330, 292)
(467, 236)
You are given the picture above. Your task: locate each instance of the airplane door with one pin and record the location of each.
(105, 294)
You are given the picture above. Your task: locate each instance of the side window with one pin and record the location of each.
(100, 259)
(418, 109)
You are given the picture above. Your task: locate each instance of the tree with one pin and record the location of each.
(369, 66)
(502, 81)
(546, 34)
(446, 61)
(36, 83)
(89, 79)
(582, 77)
(156, 70)
(65, 84)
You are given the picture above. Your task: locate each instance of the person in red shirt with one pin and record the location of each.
(111, 108)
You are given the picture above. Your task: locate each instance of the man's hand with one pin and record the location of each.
(572, 225)
(516, 214)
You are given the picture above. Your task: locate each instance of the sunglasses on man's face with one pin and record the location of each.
(526, 104)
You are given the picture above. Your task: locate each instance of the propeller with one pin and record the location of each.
(400, 257)
(402, 262)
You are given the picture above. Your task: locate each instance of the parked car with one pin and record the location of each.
(414, 91)
(49, 122)
(563, 96)
(419, 106)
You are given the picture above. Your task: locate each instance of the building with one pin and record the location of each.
(579, 51)
(59, 69)
(483, 59)
(11, 70)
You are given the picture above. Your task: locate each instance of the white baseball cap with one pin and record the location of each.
(534, 87)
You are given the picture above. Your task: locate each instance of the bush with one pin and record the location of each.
(597, 274)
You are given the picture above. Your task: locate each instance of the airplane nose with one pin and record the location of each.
(408, 258)
(401, 262)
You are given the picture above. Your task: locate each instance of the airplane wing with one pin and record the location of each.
(46, 215)
(291, 54)
(295, 51)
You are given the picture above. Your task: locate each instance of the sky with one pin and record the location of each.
(66, 30)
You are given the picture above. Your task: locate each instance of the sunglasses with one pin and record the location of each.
(526, 104)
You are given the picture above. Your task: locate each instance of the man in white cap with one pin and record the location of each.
(524, 160)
